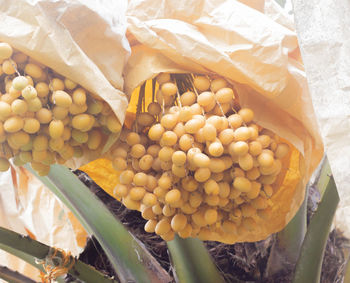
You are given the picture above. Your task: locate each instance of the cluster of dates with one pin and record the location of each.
(46, 118)
(197, 164)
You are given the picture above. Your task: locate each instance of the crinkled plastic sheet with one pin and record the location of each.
(323, 31)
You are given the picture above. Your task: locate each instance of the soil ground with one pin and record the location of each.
(241, 262)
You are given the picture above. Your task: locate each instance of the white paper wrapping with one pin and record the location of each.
(28, 207)
(323, 31)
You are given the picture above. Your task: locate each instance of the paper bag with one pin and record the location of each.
(250, 50)
(84, 41)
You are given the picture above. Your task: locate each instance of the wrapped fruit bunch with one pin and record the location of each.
(195, 163)
(46, 118)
